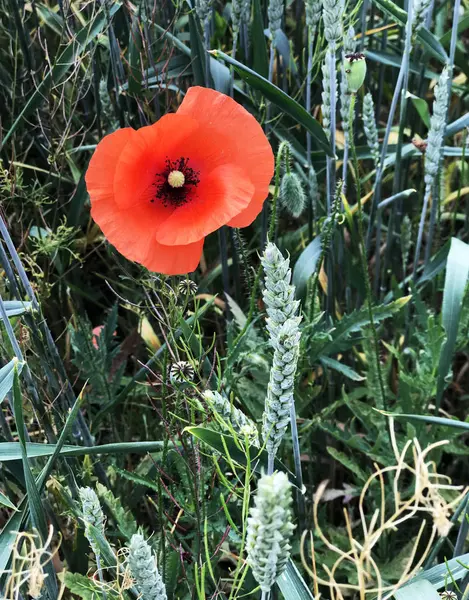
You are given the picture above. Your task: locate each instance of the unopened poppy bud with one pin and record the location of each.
(355, 68)
(292, 196)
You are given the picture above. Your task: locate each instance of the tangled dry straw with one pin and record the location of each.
(425, 495)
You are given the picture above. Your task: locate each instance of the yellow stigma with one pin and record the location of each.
(176, 179)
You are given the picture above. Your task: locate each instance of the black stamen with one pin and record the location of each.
(355, 56)
(175, 196)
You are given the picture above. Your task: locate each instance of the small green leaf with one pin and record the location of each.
(85, 587)
(341, 368)
(422, 108)
(306, 265)
(222, 442)
(4, 501)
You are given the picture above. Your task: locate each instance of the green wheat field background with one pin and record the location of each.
(290, 419)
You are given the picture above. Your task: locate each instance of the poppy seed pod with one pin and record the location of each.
(292, 196)
(355, 68)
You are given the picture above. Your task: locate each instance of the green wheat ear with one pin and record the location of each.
(143, 567)
(92, 515)
(283, 326)
(269, 529)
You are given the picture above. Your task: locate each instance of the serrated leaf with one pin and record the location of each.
(347, 462)
(85, 587)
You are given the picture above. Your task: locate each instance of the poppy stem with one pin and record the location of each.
(382, 403)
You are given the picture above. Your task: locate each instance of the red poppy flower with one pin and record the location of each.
(157, 192)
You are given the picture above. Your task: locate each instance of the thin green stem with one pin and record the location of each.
(364, 266)
(273, 222)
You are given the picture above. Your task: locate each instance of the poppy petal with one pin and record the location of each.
(124, 230)
(101, 170)
(145, 156)
(219, 196)
(243, 138)
(175, 260)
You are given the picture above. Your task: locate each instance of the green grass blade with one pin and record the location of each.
(292, 585)
(4, 501)
(64, 62)
(457, 270)
(197, 50)
(15, 308)
(428, 40)
(306, 265)
(260, 60)
(135, 48)
(430, 420)
(420, 590)
(7, 375)
(12, 450)
(38, 516)
(281, 100)
(438, 575)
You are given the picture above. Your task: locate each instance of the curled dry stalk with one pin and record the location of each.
(425, 498)
(29, 557)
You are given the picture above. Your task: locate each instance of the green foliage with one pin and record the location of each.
(170, 458)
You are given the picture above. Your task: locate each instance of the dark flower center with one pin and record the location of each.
(175, 182)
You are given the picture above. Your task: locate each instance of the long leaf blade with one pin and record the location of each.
(281, 100)
(457, 271)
